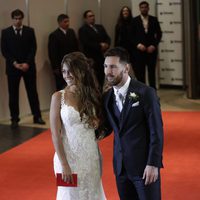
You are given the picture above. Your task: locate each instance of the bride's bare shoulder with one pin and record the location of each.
(56, 95)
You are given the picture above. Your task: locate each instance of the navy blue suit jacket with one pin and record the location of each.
(138, 137)
(22, 50)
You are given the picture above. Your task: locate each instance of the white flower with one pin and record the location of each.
(133, 96)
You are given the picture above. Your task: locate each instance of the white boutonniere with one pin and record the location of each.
(133, 96)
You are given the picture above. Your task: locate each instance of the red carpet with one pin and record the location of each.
(180, 177)
(27, 173)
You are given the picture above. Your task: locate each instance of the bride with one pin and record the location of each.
(75, 113)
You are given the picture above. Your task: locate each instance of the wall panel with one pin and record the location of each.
(76, 8)
(43, 18)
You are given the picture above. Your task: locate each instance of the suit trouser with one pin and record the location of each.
(142, 60)
(31, 89)
(133, 188)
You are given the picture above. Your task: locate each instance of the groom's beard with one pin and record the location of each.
(112, 80)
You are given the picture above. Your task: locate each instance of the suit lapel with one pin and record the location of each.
(149, 22)
(22, 31)
(141, 24)
(128, 103)
(126, 108)
(12, 31)
(108, 105)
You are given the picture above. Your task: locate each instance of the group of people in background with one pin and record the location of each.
(139, 35)
(78, 118)
(93, 42)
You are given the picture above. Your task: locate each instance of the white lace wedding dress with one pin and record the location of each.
(83, 157)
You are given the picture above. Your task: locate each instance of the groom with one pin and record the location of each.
(133, 112)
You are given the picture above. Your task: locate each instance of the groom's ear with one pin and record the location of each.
(126, 68)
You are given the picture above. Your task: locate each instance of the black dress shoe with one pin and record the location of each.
(14, 125)
(39, 121)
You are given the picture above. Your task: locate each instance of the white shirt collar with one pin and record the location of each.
(14, 27)
(63, 30)
(144, 17)
(123, 90)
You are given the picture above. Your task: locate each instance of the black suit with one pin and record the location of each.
(59, 45)
(90, 40)
(20, 49)
(142, 59)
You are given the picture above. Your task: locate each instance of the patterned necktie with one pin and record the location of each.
(119, 100)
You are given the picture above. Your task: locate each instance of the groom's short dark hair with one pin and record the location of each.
(118, 52)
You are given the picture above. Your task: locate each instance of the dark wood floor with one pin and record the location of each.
(10, 138)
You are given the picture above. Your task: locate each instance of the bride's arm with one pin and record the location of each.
(55, 125)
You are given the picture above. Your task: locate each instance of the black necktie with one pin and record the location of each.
(18, 32)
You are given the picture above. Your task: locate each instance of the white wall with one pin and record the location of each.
(42, 17)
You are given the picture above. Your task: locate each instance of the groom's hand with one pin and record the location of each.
(150, 174)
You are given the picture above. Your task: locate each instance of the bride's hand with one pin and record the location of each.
(67, 174)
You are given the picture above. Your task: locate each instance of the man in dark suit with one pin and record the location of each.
(95, 41)
(147, 35)
(61, 42)
(133, 112)
(18, 46)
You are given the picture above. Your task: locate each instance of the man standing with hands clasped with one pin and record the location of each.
(18, 46)
(133, 113)
(146, 37)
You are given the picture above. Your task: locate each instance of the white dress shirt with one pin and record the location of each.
(120, 94)
(145, 21)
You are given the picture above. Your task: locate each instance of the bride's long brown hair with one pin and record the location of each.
(90, 97)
